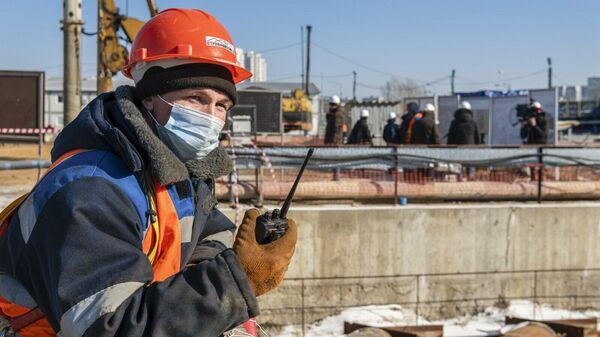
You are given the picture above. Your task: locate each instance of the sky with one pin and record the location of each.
(490, 44)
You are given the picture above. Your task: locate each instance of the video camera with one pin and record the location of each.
(524, 112)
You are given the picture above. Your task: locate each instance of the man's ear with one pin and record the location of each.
(148, 103)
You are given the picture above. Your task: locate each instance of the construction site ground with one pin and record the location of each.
(20, 151)
(488, 321)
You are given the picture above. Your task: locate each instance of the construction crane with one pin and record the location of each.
(112, 56)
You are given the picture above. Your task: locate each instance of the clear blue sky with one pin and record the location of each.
(423, 40)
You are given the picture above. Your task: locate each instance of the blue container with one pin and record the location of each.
(403, 201)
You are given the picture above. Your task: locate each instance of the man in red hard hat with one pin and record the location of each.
(122, 236)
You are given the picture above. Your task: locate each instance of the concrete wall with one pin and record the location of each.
(443, 260)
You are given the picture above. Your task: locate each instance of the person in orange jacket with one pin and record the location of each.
(122, 236)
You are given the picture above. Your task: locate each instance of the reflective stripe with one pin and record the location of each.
(82, 315)
(224, 237)
(27, 217)
(187, 224)
(14, 292)
(5, 329)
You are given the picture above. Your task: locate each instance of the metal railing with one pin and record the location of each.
(416, 173)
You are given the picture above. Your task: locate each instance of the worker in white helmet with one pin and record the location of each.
(534, 127)
(424, 130)
(360, 132)
(391, 131)
(463, 129)
(336, 127)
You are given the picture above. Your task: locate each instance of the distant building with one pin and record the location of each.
(578, 100)
(593, 89)
(239, 57)
(54, 99)
(254, 62)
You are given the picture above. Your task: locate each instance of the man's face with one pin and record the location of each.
(207, 100)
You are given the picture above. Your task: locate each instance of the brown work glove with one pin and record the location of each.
(266, 264)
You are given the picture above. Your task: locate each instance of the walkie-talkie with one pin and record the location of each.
(271, 225)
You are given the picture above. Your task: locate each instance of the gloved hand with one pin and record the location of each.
(266, 264)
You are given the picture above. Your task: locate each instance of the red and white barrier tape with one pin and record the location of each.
(266, 160)
(28, 131)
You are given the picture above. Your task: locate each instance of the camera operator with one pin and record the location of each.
(534, 127)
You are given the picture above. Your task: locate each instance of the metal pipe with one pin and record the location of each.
(540, 171)
(365, 189)
(24, 164)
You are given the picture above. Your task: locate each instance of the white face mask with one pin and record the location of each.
(189, 133)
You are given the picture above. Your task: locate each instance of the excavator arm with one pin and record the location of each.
(112, 56)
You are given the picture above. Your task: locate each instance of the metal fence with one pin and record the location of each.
(421, 174)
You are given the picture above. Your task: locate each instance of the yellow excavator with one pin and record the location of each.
(297, 111)
(112, 56)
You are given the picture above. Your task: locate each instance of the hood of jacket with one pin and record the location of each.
(114, 122)
(408, 116)
(428, 115)
(463, 115)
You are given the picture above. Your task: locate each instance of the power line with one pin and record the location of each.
(367, 86)
(287, 46)
(520, 77)
(563, 82)
(441, 79)
(352, 61)
(374, 69)
(336, 76)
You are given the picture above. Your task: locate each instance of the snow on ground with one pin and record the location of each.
(487, 323)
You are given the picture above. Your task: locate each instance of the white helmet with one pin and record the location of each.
(364, 113)
(335, 99)
(430, 107)
(392, 115)
(465, 105)
(536, 105)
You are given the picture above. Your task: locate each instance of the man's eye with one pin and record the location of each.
(196, 99)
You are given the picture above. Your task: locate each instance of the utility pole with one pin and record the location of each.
(452, 77)
(354, 85)
(549, 73)
(302, 55)
(307, 83)
(71, 26)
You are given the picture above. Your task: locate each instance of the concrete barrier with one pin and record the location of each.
(443, 260)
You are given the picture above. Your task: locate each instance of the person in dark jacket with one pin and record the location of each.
(391, 131)
(463, 129)
(334, 130)
(124, 237)
(411, 110)
(534, 130)
(360, 133)
(424, 129)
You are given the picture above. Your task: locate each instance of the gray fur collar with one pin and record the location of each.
(165, 166)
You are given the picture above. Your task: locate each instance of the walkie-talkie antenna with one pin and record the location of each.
(288, 200)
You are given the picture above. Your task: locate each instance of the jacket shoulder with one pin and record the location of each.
(93, 163)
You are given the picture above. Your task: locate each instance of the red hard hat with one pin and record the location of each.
(185, 34)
